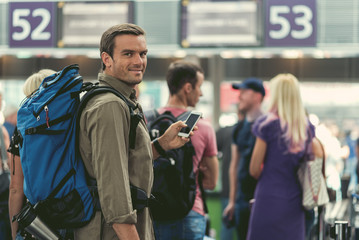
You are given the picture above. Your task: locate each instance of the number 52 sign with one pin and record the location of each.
(291, 23)
(32, 24)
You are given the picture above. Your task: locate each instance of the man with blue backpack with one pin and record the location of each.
(87, 160)
(109, 154)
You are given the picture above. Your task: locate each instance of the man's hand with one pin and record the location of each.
(170, 139)
(229, 211)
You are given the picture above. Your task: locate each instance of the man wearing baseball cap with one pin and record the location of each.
(242, 184)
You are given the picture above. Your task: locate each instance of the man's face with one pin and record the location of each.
(196, 92)
(129, 59)
(247, 98)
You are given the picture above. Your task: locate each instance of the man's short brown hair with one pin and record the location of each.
(107, 43)
(181, 72)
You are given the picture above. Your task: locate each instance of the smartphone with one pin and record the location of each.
(191, 121)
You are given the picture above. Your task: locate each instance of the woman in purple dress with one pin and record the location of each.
(282, 135)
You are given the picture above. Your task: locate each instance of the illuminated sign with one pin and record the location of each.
(31, 24)
(84, 23)
(291, 23)
(220, 23)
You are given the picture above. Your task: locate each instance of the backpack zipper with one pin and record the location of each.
(62, 89)
(47, 116)
(74, 66)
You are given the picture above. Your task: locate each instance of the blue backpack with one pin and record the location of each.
(55, 179)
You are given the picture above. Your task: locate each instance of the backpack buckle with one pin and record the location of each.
(139, 198)
(30, 131)
(155, 133)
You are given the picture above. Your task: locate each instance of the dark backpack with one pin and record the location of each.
(174, 185)
(55, 179)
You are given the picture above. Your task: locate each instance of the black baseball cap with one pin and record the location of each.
(251, 83)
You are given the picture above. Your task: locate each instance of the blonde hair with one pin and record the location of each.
(287, 104)
(33, 82)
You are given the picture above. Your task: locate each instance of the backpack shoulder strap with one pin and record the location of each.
(183, 117)
(166, 115)
(203, 192)
(91, 91)
(151, 115)
(95, 89)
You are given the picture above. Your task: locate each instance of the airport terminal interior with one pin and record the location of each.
(317, 41)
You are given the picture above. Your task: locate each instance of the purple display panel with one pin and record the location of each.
(291, 23)
(31, 24)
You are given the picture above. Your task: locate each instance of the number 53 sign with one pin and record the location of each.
(32, 24)
(291, 23)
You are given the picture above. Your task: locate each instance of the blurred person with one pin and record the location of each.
(241, 183)
(350, 160)
(10, 114)
(5, 230)
(33, 82)
(2, 105)
(5, 137)
(184, 80)
(16, 196)
(4, 134)
(283, 136)
(357, 160)
(104, 140)
(334, 162)
(224, 142)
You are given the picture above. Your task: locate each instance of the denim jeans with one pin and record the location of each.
(19, 237)
(192, 227)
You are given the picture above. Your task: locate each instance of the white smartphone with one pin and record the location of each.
(191, 121)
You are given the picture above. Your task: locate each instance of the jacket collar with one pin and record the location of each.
(118, 85)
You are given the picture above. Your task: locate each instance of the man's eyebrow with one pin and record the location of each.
(127, 50)
(132, 51)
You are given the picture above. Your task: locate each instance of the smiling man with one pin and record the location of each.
(104, 140)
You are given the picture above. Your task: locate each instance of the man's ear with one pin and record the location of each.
(187, 87)
(259, 97)
(106, 59)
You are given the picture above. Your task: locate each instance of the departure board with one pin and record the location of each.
(84, 22)
(220, 23)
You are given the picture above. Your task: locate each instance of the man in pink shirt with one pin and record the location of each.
(184, 80)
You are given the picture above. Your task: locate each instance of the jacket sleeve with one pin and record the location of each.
(107, 128)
